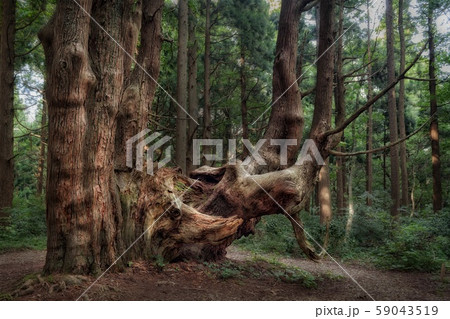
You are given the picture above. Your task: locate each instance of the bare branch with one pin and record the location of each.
(369, 103)
(379, 149)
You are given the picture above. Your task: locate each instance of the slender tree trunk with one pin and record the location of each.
(41, 167)
(193, 97)
(323, 101)
(8, 25)
(351, 202)
(351, 207)
(182, 79)
(369, 134)
(207, 121)
(434, 130)
(393, 129)
(401, 109)
(324, 194)
(243, 82)
(340, 113)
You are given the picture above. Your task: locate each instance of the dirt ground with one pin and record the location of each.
(243, 276)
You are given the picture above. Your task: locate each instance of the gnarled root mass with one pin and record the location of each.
(199, 217)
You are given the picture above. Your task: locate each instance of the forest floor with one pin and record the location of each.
(242, 276)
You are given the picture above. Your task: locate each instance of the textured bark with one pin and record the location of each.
(401, 109)
(192, 84)
(339, 97)
(8, 20)
(42, 147)
(434, 129)
(286, 117)
(140, 81)
(369, 134)
(393, 129)
(325, 66)
(84, 78)
(182, 79)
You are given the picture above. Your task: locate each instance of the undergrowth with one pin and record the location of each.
(26, 226)
(421, 242)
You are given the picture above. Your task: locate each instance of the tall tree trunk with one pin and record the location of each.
(8, 27)
(41, 167)
(84, 90)
(369, 134)
(393, 129)
(207, 121)
(434, 130)
(140, 81)
(325, 211)
(401, 109)
(243, 82)
(182, 79)
(340, 112)
(351, 202)
(85, 69)
(324, 99)
(192, 84)
(286, 118)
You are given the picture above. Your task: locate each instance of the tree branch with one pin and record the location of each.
(358, 69)
(418, 79)
(369, 103)
(379, 149)
(307, 5)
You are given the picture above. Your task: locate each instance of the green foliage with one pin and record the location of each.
(418, 244)
(259, 267)
(273, 235)
(160, 262)
(27, 225)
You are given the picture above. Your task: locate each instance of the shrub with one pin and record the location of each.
(418, 244)
(27, 225)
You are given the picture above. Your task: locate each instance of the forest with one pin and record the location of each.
(224, 146)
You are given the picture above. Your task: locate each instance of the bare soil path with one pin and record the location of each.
(241, 277)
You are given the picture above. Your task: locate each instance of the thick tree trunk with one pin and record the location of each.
(401, 109)
(369, 134)
(286, 117)
(393, 129)
(8, 26)
(182, 79)
(139, 82)
(434, 130)
(41, 166)
(192, 84)
(84, 83)
(340, 113)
